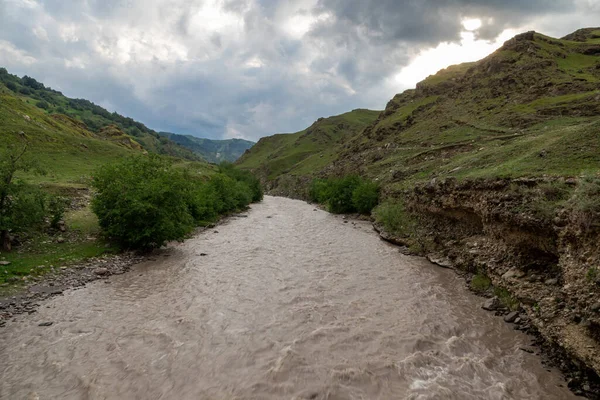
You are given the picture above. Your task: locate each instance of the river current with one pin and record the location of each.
(287, 303)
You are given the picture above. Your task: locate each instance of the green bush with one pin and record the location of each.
(142, 202)
(345, 195)
(340, 194)
(395, 219)
(57, 206)
(202, 204)
(252, 182)
(365, 197)
(319, 191)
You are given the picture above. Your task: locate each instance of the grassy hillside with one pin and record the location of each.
(531, 108)
(214, 151)
(87, 115)
(304, 152)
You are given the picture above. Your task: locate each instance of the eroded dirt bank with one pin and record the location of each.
(289, 302)
(546, 260)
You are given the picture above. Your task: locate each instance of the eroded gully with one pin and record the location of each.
(286, 303)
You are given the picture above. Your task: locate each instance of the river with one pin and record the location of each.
(286, 303)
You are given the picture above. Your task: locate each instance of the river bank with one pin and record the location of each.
(515, 243)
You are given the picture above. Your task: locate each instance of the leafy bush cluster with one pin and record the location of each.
(395, 219)
(24, 208)
(345, 195)
(144, 202)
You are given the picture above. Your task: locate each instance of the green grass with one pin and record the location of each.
(480, 283)
(88, 115)
(305, 151)
(40, 258)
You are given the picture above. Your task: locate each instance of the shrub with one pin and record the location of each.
(340, 194)
(12, 86)
(319, 191)
(365, 197)
(42, 104)
(395, 219)
(57, 206)
(586, 203)
(252, 182)
(202, 204)
(480, 283)
(142, 202)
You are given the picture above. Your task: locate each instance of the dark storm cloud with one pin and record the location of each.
(246, 67)
(429, 21)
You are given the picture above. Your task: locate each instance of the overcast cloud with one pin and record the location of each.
(251, 68)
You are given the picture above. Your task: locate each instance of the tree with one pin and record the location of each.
(142, 202)
(21, 206)
(12, 86)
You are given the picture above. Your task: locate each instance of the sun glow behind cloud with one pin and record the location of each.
(429, 61)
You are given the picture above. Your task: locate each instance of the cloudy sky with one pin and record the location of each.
(251, 68)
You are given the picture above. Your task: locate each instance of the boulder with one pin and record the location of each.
(101, 271)
(492, 304)
(511, 317)
(513, 273)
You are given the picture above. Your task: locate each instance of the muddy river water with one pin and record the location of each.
(286, 303)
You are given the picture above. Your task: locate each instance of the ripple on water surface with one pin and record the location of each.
(287, 303)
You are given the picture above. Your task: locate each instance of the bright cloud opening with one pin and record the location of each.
(471, 24)
(430, 61)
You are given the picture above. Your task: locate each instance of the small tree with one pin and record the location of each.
(142, 202)
(21, 206)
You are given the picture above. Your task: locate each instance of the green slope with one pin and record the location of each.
(61, 145)
(531, 108)
(214, 151)
(87, 114)
(304, 152)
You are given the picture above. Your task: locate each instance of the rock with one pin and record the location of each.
(511, 317)
(4, 263)
(441, 261)
(491, 304)
(101, 271)
(60, 239)
(45, 323)
(595, 307)
(517, 320)
(62, 226)
(551, 282)
(513, 273)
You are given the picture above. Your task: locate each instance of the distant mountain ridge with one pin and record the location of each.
(214, 151)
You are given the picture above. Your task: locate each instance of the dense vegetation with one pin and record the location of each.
(350, 194)
(144, 202)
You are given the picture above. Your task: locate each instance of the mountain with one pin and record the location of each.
(214, 151)
(306, 151)
(530, 108)
(87, 115)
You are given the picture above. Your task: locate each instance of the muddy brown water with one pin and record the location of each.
(288, 303)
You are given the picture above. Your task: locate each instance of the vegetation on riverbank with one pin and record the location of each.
(350, 194)
(143, 202)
